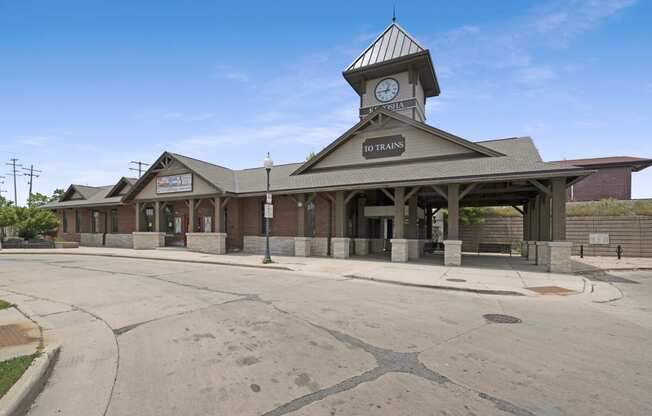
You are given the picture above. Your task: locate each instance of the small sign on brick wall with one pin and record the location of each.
(599, 239)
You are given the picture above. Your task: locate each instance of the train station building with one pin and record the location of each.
(373, 190)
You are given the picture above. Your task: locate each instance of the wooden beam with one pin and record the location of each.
(226, 201)
(440, 191)
(540, 186)
(467, 189)
(328, 196)
(389, 195)
(518, 209)
(350, 196)
(412, 192)
(435, 211)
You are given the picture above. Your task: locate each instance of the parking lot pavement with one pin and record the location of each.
(144, 337)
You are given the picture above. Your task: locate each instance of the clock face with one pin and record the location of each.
(386, 90)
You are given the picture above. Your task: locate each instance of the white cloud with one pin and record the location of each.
(227, 72)
(34, 140)
(174, 116)
(535, 75)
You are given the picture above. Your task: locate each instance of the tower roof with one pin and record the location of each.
(394, 42)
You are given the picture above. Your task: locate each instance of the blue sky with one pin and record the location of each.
(87, 86)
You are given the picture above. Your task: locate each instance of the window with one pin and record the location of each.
(95, 221)
(65, 222)
(208, 224)
(310, 223)
(114, 220)
(149, 219)
(77, 222)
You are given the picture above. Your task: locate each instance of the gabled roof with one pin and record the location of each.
(84, 190)
(482, 150)
(394, 42)
(120, 185)
(218, 177)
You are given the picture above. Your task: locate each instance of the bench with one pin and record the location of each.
(494, 248)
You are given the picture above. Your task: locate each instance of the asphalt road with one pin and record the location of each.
(163, 338)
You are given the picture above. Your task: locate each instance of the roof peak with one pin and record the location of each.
(393, 42)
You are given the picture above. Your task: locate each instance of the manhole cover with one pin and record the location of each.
(456, 280)
(551, 290)
(497, 318)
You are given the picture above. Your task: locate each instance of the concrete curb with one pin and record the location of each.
(22, 394)
(440, 287)
(624, 269)
(217, 263)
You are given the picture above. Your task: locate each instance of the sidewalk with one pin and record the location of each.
(594, 264)
(491, 274)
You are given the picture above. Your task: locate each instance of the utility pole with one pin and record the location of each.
(139, 169)
(14, 165)
(32, 173)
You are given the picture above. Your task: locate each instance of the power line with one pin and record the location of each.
(14, 165)
(31, 173)
(2, 191)
(139, 169)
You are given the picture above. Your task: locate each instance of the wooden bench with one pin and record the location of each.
(494, 248)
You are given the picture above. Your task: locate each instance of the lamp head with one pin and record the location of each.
(268, 163)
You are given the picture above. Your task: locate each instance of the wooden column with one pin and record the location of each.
(191, 215)
(544, 218)
(399, 213)
(534, 223)
(526, 221)
(137, 208)
(413, 231)
(559, 209)
(340, 214)
(363, 232)
(157, 216)
(218, 215)
(301, 215)
(428, 215)
(453, 212)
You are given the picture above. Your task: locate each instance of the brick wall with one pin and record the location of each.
(605, 183)
(633, 234)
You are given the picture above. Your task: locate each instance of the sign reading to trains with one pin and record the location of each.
(386, 146)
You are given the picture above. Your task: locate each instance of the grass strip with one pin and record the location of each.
(11, 370)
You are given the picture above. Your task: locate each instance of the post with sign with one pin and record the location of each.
(269, 209)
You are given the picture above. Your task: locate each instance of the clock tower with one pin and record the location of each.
(395, 72)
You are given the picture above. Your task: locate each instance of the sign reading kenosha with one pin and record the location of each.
(395, 106)
(386, 146)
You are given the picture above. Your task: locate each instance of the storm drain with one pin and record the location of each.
(497, 318)
(456, 280)
(551, 290)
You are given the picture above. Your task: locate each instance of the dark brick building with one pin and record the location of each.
(612, 179)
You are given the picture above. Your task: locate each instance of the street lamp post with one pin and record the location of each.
(268, 163)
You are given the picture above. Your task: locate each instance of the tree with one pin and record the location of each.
(33, 221)
(57, 194)
(7, 216)
(310, 155)
(37, 199)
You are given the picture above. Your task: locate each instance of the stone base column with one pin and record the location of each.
(147, 240)
(213, 243)
(543, 254)
(361, 246)
(452, 252)
(532, 252)
(413, 249)
(340, 247)
(559, 256)
(524, 246)
(400, 250)
(302, 246)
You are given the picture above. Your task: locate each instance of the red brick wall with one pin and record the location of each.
(322, 212)
(605, 183)
(234, 224)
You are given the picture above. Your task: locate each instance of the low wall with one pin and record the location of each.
(91, 239)
(147, 240)
(319, 247)
(213, 243)
(632, 233)
(280, 246)
(119, 240)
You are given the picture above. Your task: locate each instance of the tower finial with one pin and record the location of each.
(394, 13)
